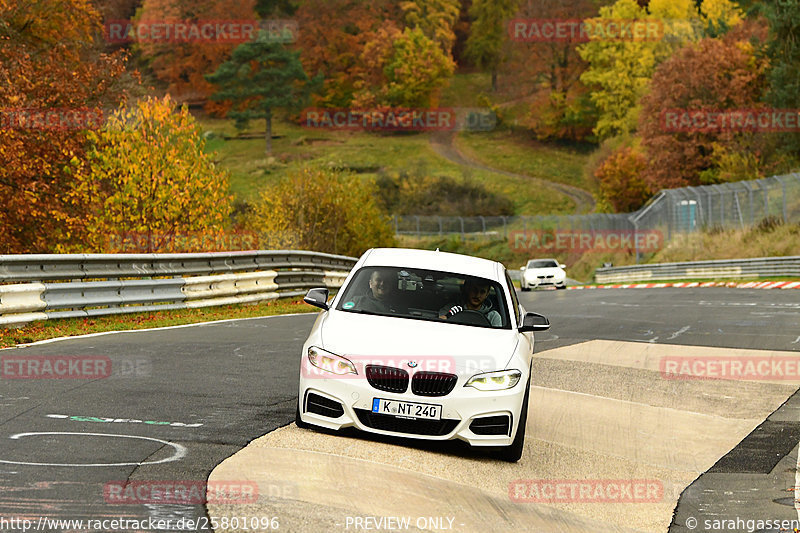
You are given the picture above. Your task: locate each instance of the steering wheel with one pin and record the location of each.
(471, 317)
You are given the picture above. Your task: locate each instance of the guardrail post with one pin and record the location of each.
(440, 225)
(417, 220)
(461, 219)
(483, 224)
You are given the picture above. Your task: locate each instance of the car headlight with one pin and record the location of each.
(330, 362)
(493, 381)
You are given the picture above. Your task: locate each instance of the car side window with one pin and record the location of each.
(514, 300)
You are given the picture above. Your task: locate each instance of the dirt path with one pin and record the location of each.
(442, 144)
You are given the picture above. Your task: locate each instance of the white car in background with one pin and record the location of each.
(543, 273)
(400, 352)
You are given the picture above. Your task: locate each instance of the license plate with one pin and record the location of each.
(406, 409)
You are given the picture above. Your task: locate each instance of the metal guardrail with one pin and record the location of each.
(41, 287)
(788, 266)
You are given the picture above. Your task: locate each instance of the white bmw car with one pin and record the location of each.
(424, 345)
(543, 273)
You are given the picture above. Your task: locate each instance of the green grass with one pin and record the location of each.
(511, 151)
(367, 153)
(464, 90)
(41, 330)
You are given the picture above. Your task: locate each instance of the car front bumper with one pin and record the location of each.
(543, 282)
(460, 408)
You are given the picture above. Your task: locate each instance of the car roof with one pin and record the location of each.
(442, 261)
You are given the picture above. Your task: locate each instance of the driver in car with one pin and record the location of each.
(473, 298)
(382, 293)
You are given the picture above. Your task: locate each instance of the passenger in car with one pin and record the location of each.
(474, 298)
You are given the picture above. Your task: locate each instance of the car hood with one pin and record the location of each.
(432, 345)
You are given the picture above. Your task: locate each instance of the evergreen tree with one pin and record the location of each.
(261, 76)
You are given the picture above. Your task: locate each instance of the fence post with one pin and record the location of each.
(750, 198)
(783, 191)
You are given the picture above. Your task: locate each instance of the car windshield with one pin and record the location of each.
(426, 295)
(542, 263)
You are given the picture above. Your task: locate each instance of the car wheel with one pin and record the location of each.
(524, 289)
(298, 421)
(513, 453)
(561, 286)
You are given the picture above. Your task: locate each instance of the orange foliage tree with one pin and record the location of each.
(183, 65)
(621, 180)
(333, 36)
(711, 75)
(48, 61)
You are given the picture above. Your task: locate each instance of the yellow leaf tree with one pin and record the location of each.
(148, 175)
(324, 210)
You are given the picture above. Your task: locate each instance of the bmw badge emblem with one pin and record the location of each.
(412, 364)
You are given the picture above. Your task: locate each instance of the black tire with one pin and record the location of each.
(513, 453)
(298, 421)
(525, 289)
(561, 286)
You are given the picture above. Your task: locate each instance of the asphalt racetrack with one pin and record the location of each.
(182, 402)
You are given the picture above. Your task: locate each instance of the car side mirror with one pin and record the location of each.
(317, 298)
(534, 322)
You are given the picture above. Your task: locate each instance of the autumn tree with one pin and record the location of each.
(276, 8)
(324, 210)
(262, 76)
(436, 19)
(488, 33)
(620, 70)
(783, 52)
(547, 74)
(621, 179)
(333, 40)
(182, 64)
(49, 61)
(711, 75)
(408, 70)
(147, 174)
